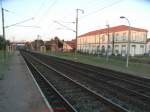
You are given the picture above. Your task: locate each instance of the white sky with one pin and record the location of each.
(97, 14)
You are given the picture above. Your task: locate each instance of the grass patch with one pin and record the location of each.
(145, 58)
(4, 63)
(117, 64)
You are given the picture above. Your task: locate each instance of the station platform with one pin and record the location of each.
(18, 92)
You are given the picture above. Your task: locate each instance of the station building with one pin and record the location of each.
(99, 42)
(148, 46)
(69, 46)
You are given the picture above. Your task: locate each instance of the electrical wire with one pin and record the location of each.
(93, 12)
(40, 7)
(101, 9)
(42, 19)
(27, 26)
(64, 26)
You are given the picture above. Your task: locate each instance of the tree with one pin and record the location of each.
(2, 43)
(58, 42)
(8, 42)
(37, 43)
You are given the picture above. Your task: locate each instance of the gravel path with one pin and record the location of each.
(18, 93)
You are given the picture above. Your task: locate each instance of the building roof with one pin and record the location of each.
(113, 29)
(71, 43)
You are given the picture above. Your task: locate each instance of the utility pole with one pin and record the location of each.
(76, 31)
(129, 37)
(77, 11)
(107, 42)
(3, 27)
(37, 42)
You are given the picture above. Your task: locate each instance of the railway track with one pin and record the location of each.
(114, 74)
(55, 99)
(78, 95)
(122, 76)
(137, 88)
(129, 94)
(138, 85)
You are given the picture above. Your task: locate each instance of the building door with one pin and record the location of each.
(103, 50)
(116, 50)
(123, 50)
(133, 48)
(142, 49)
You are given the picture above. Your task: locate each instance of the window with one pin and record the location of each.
(103, 49)
(141, 37)
(144, 37)
(103, 38)
(124, 36)
(97, 39)
(142, 49)
(133, 36)
(110, 37)
(141, 46)
(116, 46)
(123, 47)
(109, 48)
(117, 37)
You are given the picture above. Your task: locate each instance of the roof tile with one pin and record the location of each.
(113, 29)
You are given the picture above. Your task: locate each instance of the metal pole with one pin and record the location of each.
(128, 46)
(107, 42)
(128, 49)
(3, 27)
(99, 46)
(129, 36)
(76, 30)
(77, 11)
(113, 43)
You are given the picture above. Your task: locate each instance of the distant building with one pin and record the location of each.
(97, 42)
(148, 46)
(69, 46)
(36, 44)
(54, 45)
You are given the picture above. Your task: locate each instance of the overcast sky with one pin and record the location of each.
(97, 13)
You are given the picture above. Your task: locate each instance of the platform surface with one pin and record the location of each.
(18, 92)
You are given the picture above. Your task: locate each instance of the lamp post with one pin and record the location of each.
(129, 36)
(107, 57)
(77, 13)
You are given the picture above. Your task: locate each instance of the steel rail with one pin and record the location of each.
(118, 74)
(68, 106)
(129, 91)
(129, 82)
(140, 96)
(104, 99)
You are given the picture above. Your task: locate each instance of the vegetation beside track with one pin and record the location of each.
(115, 63)
(4, 63)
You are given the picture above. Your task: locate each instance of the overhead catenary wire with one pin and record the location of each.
(101, 9)
(48, 9)
(96, 11)
(64, 26)
(40, 18)
(87, 6)
(27, 26)
(40, 8)
(19, 22)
